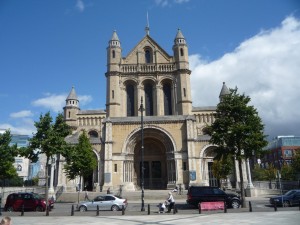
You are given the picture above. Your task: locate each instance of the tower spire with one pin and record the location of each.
(147, 28)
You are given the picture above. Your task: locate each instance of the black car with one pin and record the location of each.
(198, 194)
(290, 198)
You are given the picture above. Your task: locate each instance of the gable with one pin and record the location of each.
(137, 54)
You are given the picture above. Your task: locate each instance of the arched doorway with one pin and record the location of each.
(159, 164)
(90, 180)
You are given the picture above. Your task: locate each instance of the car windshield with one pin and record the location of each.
(289, 193)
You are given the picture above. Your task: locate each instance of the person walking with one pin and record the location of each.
(171, 202)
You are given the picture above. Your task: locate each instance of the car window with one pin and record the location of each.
(217, 191)
(27, 196)
(98, 199)
(289, 193)
(36, 196)
(109, 198)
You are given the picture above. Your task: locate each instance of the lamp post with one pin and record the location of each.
(142, 153)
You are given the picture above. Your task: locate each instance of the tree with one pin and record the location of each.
(80, 159)
(8, 154)
(237, 130)
(222, 167)
(287, 172)
(49, 139)
(296, 162)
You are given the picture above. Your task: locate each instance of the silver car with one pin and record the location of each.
(105, 202)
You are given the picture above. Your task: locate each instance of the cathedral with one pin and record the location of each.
(150, 134)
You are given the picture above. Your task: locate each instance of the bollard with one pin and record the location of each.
(148, 209)
(299, 205)
(250, 206)
(22, 210)
(199, 206)
(0, 204)
(275, 206)
(123, 210)
(72, 210)
(97, 210)
(225, 207)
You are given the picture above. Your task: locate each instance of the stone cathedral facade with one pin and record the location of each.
(176, 150)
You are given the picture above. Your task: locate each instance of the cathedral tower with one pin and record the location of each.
(71, 109)
(114, 56)
(184, 100)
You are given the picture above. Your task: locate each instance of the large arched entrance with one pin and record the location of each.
(90, 180)
(159, 164)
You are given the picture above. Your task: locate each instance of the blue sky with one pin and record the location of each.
(48, 46)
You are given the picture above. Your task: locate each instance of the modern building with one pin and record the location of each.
(281, 150)
(149, 129)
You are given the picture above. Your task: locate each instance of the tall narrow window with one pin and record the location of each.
(113, 94)
(184, 92)
(69, 114)
(113, 53)
(116, 168)
(147, 56)
(149, 99)
(167, 99)
(130, 100)
(181, 52)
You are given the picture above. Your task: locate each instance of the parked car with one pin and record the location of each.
(30, 201)
(198, 194)
(105, 202)
(290, 198)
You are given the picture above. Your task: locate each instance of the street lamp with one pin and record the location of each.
(141, 109)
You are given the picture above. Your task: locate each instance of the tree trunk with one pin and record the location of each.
(243, 199)
(79, 189)
(46, 188)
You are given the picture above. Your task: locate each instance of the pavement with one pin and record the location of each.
(265, 218)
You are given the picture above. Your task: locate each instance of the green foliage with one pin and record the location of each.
(237, 127)
(80, 159)
(237, 130)
(270, 173)
(287, 172)
(8, 154)
(223, 167)
(258, 173)
(296, 161)
(49, 138)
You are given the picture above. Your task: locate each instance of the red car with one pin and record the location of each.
(30, 202)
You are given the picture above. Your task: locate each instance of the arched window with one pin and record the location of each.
(148, 56)
(149, 99)
(181, 52)
(93, 134)
(167, 99)
(19, 167)
(130, 100)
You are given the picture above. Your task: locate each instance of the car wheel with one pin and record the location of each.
(286, 204)
(235, 204)
(82, 208)
(39, 208)
(10, 209)
(115, 208)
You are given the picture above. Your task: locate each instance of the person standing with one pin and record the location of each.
(171, 202)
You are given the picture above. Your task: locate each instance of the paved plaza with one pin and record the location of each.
(265, 218)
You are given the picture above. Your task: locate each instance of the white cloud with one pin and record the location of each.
(84, 99)
(52, 102)
(23, 113)
(24, 127)
(164, 3)
(56, 102)
(264, 67)
(80, 5)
